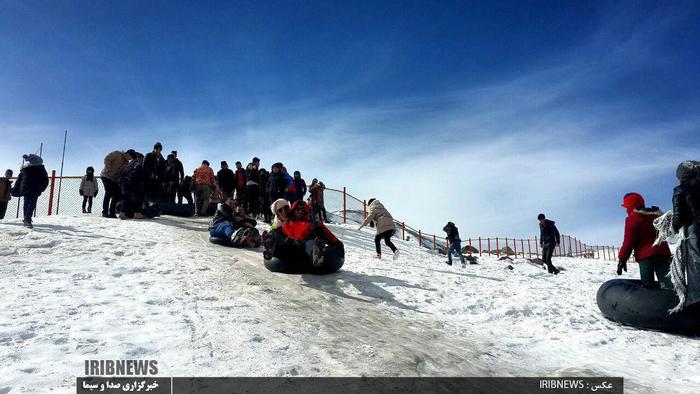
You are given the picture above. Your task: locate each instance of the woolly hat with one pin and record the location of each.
(31, 160)
(687, 170)
(632, 201)
(158, 145)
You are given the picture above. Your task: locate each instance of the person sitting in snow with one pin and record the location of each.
(384, 227)
(88, 189)
(640, 235)
(31, 182)
(455, 243)
(549, 240)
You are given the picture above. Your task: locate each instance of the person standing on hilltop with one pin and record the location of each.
(204, 183)
(240, 183)
(154, 167)
(115, 166)
(252, 187)
(31, 182)
(455, 243)
(686, 217)
(384, 226)
(5, 189)
(549, 240)
(226, 180)
(88, 189)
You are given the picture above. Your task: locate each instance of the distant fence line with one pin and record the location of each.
(62, 197)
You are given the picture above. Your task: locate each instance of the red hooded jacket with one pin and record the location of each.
(640, 234)
(304, 229)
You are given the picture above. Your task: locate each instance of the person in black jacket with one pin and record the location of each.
(31, 182)
(172, 179)
(133, 189)
(226, 180)
(265, 196)
(184, 189)
(277, 185)
(178, 166)
(5, 190)
(154, 170)
(252, 187)
(300, 186)
(549, 239)
(455, 243)
(686, 216)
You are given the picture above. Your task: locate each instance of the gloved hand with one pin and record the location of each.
(80, 191)
(622, 265)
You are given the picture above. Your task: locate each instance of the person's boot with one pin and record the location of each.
(396, 255)
(122, 216)
(377, 257)
(27, 223)
(138, 215)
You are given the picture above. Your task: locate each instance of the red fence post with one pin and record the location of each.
(522, 247)
(569, 246)
(53, 184)
(420, 238)
(364, 208)
(537, 247)
(434, 243)
(403, 230)
(529, 251)
(470, 246)
(576, 246)
(345, 216)
(479, 246)
(515, 248)
(498, 251)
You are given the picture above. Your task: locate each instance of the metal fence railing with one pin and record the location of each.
(62, 197)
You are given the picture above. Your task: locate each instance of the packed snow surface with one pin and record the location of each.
(77, 288)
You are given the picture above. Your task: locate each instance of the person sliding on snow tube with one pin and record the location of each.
(298, 245)
(230, 227)
(640, 235)
(384, 225)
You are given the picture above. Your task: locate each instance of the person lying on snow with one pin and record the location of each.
(640, 235)
(295, 236)
(230, 223)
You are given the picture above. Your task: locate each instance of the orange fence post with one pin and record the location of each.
(537, 248)
(403, 230)
(447, 245)
(479, 246)
(345, 216)
(434, 243)
(53, 184)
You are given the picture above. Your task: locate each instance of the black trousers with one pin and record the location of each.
(547, 253)
(30, 206)
(386, 236)
(252, 198)
(113, 194)
(3, 209)
(87, 200)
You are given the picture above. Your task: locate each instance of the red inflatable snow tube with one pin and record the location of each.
(629, 303)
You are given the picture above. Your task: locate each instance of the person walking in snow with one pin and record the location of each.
(549, 240)
(31, 182)
(204, 183)
(88, 189)
(455, 243)
(686, 217)
(5, 192)
(640, 235)
(115, 165)
(384, 226)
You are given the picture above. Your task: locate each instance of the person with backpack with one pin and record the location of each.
(184, 190)
(384, 227)
(640, 235)
(226, 180)
(5, 192)
(549, 240)
(31, 182)
(172, 179)
(455, 243)
(88, 189)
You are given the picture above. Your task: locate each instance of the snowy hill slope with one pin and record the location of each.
(77, 288)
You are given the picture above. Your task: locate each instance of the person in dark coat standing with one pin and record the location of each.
(5, 192)
(88, 189)
(640, 235)
(172, 178)
(115, 165)
(549, 240)
(241, 180)
(226, 180)
(455, 243)
(686, 216)
(252, 187)
(300, 186)
(133, 188)
(178, 166)
(154, 168)
(277, 185)
(264, 196)
(31, 182)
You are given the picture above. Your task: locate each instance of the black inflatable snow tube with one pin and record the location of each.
(627, 302)
(221, 241)
(181, 210)
(333, 260)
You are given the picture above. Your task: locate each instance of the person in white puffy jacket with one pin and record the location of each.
(384, 226)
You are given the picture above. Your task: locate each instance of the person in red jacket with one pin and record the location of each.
(301, 227)
(640, 235)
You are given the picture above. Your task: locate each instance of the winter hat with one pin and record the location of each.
(540, 216)
(31, 160)
(687, 170)
(205, 163)
(307, 209)
(278, 165)
(158, 145)
(278, 204)
(632, 201)
(370, 201)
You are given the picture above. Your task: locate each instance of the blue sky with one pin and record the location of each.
(483, 113)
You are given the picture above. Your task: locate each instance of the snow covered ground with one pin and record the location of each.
(78, 288)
